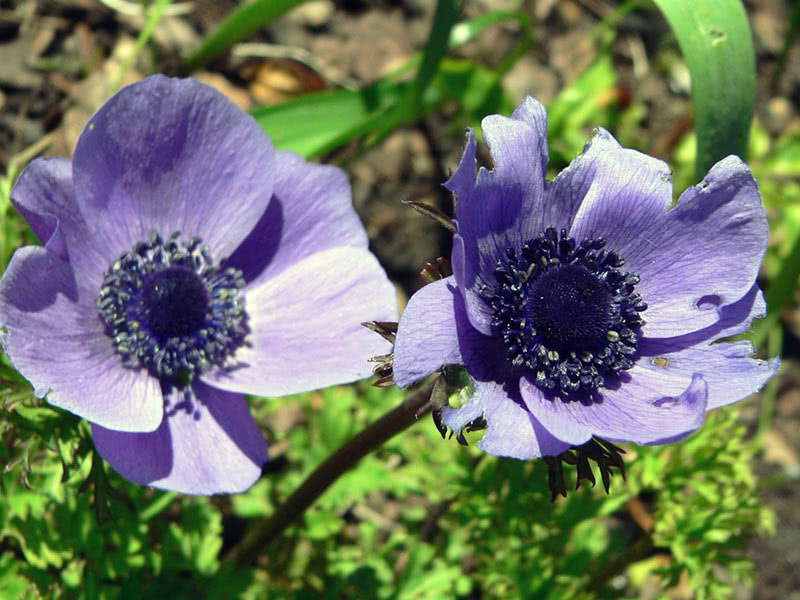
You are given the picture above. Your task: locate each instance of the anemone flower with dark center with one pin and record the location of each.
(186, 264)
(587, 307)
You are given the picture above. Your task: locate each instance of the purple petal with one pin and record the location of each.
(306, 325)
(503, 207)
(207, 444)
(426, 335)
(704, 255)
(566, 192)
(512, 431)
(434, 331)
(44, 195)
(637, 411)
(623, 191)
(478, 311)
(310, 211)
(727, 368)
(462, 181)
(731, 373)
(733, 319)
(171, 155)
(51, 332)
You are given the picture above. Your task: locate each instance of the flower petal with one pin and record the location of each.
(478, 311)
(427, 336)
(704, 255)
(733, 319)
(207, 444)
(306, 325)
(44, 195)
(51, 332)
(620, 191)
(727, 368)
(171, 155)
(511, 430)
(503, 206)
(311, 211)
(637, 411)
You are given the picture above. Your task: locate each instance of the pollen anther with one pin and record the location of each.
(169, 308)
(566, 311)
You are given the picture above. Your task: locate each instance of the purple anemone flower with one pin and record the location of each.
(587, 307)
(185, 264)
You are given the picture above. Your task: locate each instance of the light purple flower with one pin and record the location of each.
(186, 264)
(587, 306)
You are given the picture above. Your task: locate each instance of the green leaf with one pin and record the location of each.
(318, 123)
(715, 39)
(238, 25)
(12, 583)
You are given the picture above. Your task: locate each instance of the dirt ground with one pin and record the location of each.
(59, 58)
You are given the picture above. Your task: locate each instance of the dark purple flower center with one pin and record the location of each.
(175, 302)
(566, 312)
(169, 308)
(569, 306)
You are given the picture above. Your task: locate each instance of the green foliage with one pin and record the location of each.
(421, 518)
(707, 508)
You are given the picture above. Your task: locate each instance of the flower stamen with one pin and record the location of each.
(566, 312)
(169, 308)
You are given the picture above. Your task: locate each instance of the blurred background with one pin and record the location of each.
(715, 516)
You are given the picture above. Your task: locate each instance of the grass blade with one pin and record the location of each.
(715, 39)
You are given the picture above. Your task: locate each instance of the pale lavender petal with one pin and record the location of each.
(51, 332)
(207, 444)
(636, 411)
(732, 374)
(566, 192)
(44, 195)
(733, 319)
(306, 326)
(171, 155)
(511, 430)
(503, 206)
(704, 255)
(427, 336)
(623, 191)
(727, 368)
(311, 211)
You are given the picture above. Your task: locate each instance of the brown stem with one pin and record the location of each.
(396, 420)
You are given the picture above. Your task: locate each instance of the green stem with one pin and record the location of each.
(396, 420)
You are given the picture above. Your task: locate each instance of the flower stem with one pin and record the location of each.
(396, 420)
